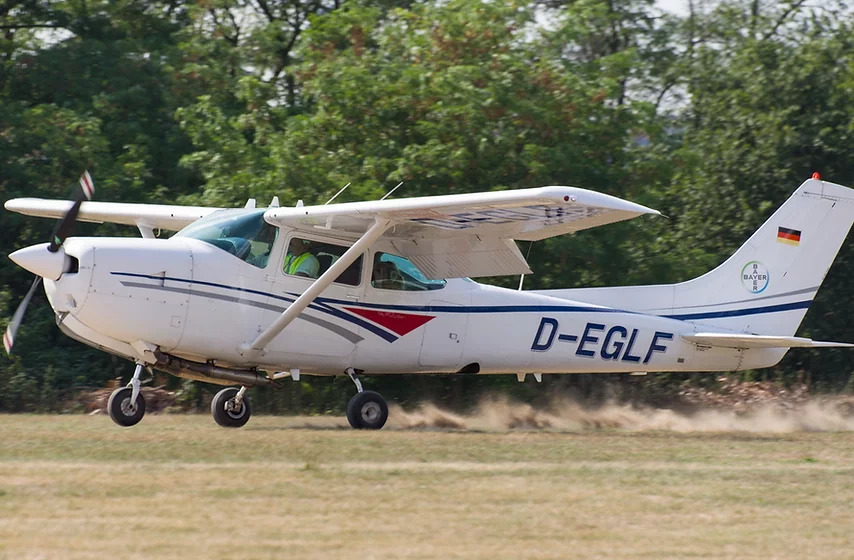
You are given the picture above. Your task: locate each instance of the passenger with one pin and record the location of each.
(300, 261)
(386, 276)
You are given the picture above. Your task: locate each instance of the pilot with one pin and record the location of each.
(262, 245)
(299, 261)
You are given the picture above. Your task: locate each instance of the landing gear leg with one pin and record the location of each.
(231, 408)
(367, 410)
(126, 405)
(352, 373)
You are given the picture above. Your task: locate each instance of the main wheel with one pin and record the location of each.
(122, 411)
(226, 412)
(367, 411)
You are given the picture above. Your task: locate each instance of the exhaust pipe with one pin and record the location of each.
(210, 373)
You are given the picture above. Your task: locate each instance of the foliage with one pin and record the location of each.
(711, 117)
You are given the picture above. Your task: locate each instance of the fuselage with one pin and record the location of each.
(198, 301)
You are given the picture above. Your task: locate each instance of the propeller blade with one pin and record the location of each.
(67, 223)
(12, 329)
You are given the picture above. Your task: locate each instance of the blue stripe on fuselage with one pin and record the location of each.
(742, 312)
(323, 305)
(575, 309)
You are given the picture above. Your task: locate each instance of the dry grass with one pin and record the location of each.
(179, 487)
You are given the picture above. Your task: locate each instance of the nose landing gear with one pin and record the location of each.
(367, 410)
(126, 405)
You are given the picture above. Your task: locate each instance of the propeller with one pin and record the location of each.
(61, 232)
(66, 225)
(12, 329)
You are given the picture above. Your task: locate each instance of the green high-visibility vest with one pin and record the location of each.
(293, 263)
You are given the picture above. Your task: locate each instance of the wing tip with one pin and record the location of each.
(605, 200)
(17, 204)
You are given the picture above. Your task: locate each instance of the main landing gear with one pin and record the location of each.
(126, 405)
(367, 410)
(231, 407)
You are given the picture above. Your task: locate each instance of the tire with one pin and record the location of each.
(224, 415)
(367, 411)
(120, 409)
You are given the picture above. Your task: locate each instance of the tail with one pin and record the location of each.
(766, 287)
(769, 283)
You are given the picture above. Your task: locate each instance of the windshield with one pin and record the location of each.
(243, 234)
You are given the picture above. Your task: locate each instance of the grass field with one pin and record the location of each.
(179, 487)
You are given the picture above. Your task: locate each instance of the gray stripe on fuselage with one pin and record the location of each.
(793, 293)
(340, 331)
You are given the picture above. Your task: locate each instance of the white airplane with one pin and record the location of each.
(248, 296)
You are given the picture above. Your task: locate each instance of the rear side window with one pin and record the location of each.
(391, 272)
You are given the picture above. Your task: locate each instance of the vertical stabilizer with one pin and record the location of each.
(769, 283)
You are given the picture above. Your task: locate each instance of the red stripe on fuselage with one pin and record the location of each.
(398, 323)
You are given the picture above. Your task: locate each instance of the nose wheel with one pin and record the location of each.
(231, 408)
(367, 410)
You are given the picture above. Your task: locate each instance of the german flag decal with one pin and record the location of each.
(790, 236)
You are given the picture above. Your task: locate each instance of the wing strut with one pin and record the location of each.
(325, 279)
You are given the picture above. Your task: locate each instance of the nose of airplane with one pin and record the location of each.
(38, 260)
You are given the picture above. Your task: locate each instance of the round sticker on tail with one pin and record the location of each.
(754, 276)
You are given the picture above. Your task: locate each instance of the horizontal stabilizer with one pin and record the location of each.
(759, 341)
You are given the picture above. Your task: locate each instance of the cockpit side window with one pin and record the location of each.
(247, 236)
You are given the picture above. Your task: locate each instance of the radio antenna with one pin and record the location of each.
(391, 191)
(344, 188)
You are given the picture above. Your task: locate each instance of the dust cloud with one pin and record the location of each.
(497, 414)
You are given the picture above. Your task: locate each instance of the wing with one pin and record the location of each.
(154, 216)
(466, 234)
(759, 341)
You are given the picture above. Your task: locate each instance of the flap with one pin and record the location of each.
(463, 256)
(759, 341)
(162, 216)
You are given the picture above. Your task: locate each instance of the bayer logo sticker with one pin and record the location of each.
(754, 276)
